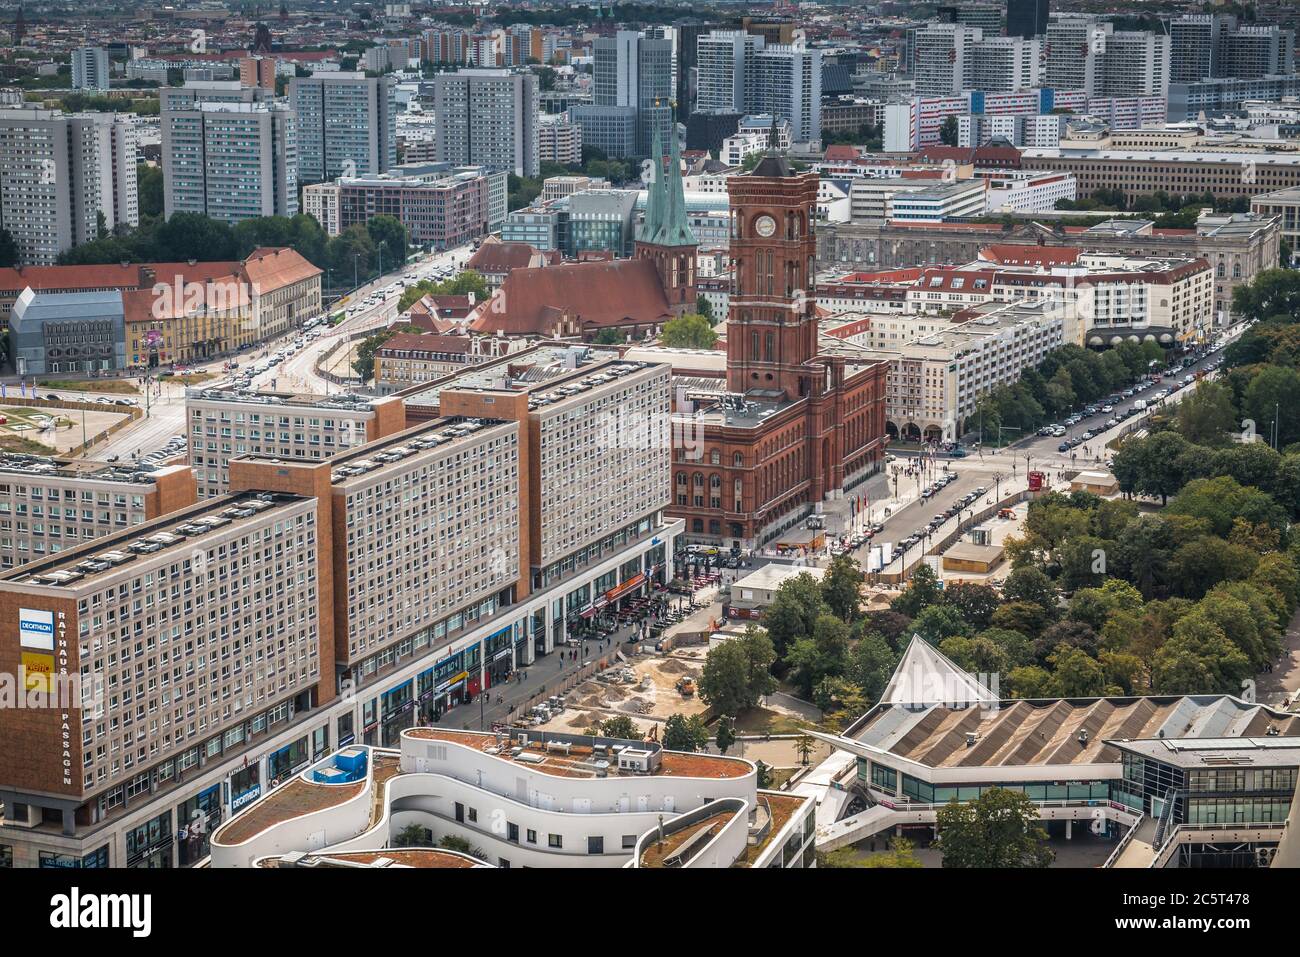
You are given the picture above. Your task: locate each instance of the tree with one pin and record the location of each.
(975, 603)
(1273, 292)
(450, 842)
(685, 734)
(1271, 401)
(726, 734)
(705, 308)
(794, 609)
(691, 331)
(1031, 585)
(870, 664)
(149, 189)
(738, 672)
(998, 829)
(948, 131)
(822, 654)
(842, 587)
(364, 363)
(610, 336)
(8, 249)
(620, 726)
(1075, 674)
(804, 746)
(900, 854)
(1206, 416)
(390, 239)
(413, 835)
(938, 622)
(1198, 659)
(922, 591)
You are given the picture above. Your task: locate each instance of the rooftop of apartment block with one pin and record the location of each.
(338, 401)
(48, 466)
(581, 756)
(176, 531)
(386, 857)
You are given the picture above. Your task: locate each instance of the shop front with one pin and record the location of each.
(499, 661)
(397, 713)
(198, 817)
(288, 761)
(449, 680)
(150, 844)
(245, 787)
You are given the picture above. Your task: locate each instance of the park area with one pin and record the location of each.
(51, 431)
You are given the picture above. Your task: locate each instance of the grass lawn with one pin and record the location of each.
(194, 378)
(766, 721)
(16, 443)
(102, 386)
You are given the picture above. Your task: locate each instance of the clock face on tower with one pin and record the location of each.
(765, 226)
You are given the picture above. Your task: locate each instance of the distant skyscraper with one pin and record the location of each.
(229, 152)
(1026, 18)
(742, 73)
(636, 72)
(59, 173)
(346, 124)
(90, 68)
(1212, 46)
(486, 117)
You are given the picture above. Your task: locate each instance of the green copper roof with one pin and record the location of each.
(665, 210)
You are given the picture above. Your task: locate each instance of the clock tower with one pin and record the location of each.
(772, 320)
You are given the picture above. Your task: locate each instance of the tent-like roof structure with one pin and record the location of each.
(926, 676)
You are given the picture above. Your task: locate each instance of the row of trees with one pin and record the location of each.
(357, 254)
(1067, 378)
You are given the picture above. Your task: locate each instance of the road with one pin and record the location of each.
(1001, 471)
(297, 373)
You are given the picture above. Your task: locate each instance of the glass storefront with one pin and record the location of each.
(287, 761)
(245, 787)
(150, 844)
(198, 817)
(398, 713)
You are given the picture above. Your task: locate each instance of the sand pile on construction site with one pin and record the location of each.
(673, 667)
(615, 693)
(584, 721)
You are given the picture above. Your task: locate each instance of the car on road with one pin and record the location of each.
(1107, 409)
(51, 397)
(1063, 447)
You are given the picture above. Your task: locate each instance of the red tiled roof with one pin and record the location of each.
(617, 293)
(499, 257)
(268, 269)
(425, 342)
(840, 153)
(1013, 254)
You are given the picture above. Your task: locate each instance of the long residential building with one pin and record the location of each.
(441, 210)
(487, 118)
(49, 505)
(325, 603)
(59, 173)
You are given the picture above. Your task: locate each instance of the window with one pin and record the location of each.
(554, 840)
(595, 845)
(473, 815)
(629, 841)
(530, 836)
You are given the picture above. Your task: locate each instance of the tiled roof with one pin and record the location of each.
(268, 269)
(598, 294)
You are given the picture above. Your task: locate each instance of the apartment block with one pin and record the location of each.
(559, 141)
(229, 152)
(90, 69)
(346, 124)
(58, 173)
(225, 423)
(49, 505)
(217, 641)
(487, 117)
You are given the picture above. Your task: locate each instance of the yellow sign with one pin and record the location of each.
(38, 670)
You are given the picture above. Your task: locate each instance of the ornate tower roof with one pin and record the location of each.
(665, 211)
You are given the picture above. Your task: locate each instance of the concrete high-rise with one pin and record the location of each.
(742, 73)
(631, 71)
(90, 68)
(1026, 18)
(59, 173)
(487, 117)
(346, 124)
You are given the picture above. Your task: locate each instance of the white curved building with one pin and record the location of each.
(523, 799)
